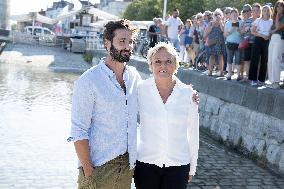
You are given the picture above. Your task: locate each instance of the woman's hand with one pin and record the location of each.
(195, 97)
(190, 178)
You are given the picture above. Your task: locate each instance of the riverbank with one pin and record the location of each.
(55, 59)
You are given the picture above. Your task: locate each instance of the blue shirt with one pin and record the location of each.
(235, 36)
(104, 114)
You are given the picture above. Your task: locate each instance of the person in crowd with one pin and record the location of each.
(261, 30)
(195, 47)
(233, 38)
(215, 41)
(163, 31)
(200, 29)
(198, 34)
(186, 41)
(173, 27)
(227, 14)
(153, 33)
(208, 16)
(226, 18)
(276, 45)
(169, 126)
(246, 34)
(256, 11)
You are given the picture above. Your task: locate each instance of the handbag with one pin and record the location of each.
(232, 46)
(244, 44)
(211, 42)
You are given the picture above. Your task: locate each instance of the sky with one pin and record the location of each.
(25, 6)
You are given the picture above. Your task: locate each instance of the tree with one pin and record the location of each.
(143, 10)
(186, 8)
(148, 9)
(214, 4)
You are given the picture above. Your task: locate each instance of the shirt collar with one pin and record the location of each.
(110, 73)
(179, 85)
(105, 69)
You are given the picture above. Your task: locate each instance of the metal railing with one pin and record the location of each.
(92, 43)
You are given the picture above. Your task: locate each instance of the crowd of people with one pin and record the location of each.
(247, 45)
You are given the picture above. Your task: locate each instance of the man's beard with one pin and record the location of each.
(118, 56)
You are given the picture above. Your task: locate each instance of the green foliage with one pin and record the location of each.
(213, 4)
(148, 9)
(143, 10)
(88, 57)
(14, 27)
(186, 8)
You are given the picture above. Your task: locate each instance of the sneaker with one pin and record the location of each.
(220, 74)
(261, 83)
(273, 86)
(239, 78)
(253, 83)
(206, 72)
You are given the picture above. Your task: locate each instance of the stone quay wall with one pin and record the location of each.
(247, 119)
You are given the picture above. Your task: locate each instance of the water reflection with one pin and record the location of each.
(34, 89)
(34, 124)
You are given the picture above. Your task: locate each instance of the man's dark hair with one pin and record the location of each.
(175, 9)
(111, 26)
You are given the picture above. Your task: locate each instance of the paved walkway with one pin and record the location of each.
(34, 152)
(219, 168)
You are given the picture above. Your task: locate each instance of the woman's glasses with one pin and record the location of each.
(245, 11)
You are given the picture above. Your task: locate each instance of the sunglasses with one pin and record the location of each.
(244, 11)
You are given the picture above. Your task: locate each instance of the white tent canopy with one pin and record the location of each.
(102, 14)
(33, 16)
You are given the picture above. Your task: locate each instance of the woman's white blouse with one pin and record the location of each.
(169, 133)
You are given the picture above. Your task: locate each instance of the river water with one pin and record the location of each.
(34, 125)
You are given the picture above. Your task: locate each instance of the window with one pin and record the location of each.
(37, 31)
(46, 32)
(86, 20)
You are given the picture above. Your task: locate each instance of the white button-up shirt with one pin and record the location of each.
(104, 114)
(169, 133)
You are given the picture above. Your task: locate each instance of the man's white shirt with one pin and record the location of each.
(173, 25)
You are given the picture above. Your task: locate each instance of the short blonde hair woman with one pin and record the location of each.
(169, 126)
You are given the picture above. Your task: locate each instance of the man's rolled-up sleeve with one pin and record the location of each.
(82, 109)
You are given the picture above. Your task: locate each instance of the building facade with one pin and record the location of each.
(5, 14)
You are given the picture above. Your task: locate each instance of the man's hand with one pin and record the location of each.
(88, 171)
(190, 178)
(195, 97)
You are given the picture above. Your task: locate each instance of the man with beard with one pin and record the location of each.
(104, 114)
